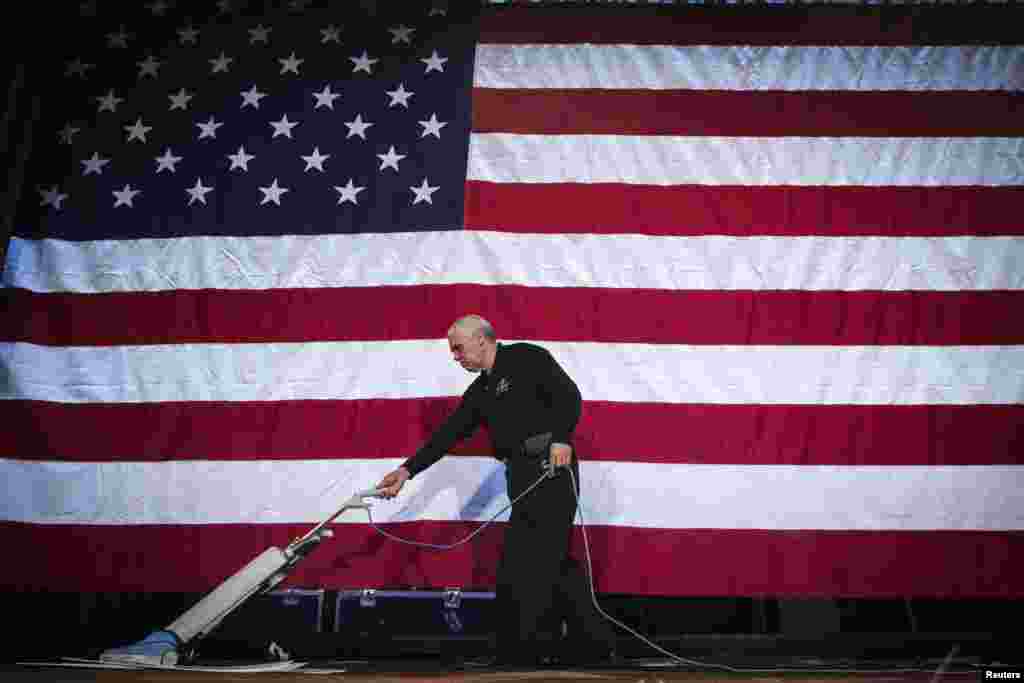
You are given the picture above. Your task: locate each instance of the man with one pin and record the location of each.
(521, 391)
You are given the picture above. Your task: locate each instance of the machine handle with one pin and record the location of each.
(358, 500)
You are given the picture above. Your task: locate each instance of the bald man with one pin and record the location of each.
(520, 392)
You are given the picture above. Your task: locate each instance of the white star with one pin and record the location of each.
(434, 62)
(78, 68)
(298, 5)
(221, 63)
(119, 39)
(67, 133)
(363, 63)
(167, 161)
(291, 63)
(433, 127)
(54, 197)
(148, 67)
(188, 34)
(357, 127)
(348, 192)
(423, 193)
(94, 165)
(401, 34)
(331, 34)
(326, 98)
(316, 160)
(209, 129)
(437, 10)
(258, 34)
(390, 159)
(399, 96)
(180, 101)
(198, 192)
(109, 101)
(125, 196)
(137, 131)
(283, 127)
(223, 6)
(253, 97)
(240, 160)
(272, 193)
(157, 8)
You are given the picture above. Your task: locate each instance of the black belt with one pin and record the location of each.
(536, 448)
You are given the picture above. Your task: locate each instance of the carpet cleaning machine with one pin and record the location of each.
(177, 643)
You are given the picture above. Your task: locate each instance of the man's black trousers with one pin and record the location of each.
(538, 583)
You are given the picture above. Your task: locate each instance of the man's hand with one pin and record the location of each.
(393, 482)
(561, 454)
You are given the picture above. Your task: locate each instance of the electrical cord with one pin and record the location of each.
(593, 593)
(449, 546)
(693, 662)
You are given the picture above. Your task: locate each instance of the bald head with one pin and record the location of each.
(471, 324)
(473, 343)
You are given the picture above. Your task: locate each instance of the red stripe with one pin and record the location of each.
(754, 26)
(637, 432)
(596, 315)
(729, 113)
(626, 560)
(789, 211)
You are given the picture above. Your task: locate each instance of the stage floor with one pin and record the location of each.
(761, 669)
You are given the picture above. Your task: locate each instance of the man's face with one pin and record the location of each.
(467, 349)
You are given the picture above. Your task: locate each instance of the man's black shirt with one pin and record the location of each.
(526, 392)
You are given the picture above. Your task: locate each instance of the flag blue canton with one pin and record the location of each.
(319, 122)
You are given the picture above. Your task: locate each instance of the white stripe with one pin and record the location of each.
(620, 494)
(759, 161)
(661, 373)
(532, 260)
(743, 67)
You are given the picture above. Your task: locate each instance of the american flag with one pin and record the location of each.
(778, 248)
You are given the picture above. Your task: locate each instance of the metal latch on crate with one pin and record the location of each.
(452, 598)
(368, 598)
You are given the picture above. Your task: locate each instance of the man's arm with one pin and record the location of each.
(458, 426)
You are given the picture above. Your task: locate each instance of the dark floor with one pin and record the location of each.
(727, 639)
(635, 671)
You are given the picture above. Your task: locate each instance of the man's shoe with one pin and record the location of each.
(499, 662)
(485, 662)
(612, 659)
(602, 660)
